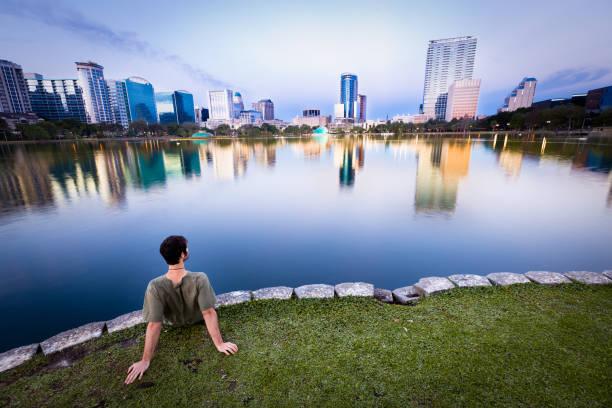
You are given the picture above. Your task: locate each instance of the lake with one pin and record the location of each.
(81, 223)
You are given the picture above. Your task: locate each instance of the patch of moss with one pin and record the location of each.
(520, 346)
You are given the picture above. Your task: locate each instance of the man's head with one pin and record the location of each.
(174, 249)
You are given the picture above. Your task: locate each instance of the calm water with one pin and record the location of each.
(81, 224)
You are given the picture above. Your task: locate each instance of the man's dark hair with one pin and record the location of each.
(172, 248)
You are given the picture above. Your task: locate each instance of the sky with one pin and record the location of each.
(294, 52)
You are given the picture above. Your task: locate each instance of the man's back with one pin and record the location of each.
(180, 304)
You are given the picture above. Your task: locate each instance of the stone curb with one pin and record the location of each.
(405, 295)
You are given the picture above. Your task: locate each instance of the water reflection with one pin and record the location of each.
(41, 176)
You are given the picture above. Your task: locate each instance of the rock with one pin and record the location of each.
(354, 289)
(547, 278)
(233, 298)
(72, 337)
(315, 291)
(124, 321)
(433, 284)
(591, 278)
(507, 278)
(405, 295)
(13, 358)
(276, 292)
(384, 295)
(468, 280)
(607, 274)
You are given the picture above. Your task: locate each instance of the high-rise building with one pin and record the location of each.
(184, 107)
(221, 105)
(251, 117)
(338, 111)
(462, 99)
(90, 77)
(348, 94)
(448, 60)
(120, 108)
(238, 104)
(141, 99)
(598, 100)
(166, 111)
(362, 107)
(312, 117)
(204, 114)
(266, 107)
(55, 99)
(521, 96)
(14, 97)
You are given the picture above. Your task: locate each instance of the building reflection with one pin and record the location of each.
(349, 157)
(441, 166)
(511, 162)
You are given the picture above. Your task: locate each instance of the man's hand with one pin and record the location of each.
(136, 370)
(227, 348)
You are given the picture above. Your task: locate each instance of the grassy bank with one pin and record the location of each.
(520, 346)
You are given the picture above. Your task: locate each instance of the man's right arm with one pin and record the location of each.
(137, 369)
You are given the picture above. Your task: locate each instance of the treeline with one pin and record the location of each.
(559, 118)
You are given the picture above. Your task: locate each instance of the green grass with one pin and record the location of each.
(519, 346)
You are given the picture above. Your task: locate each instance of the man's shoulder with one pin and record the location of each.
(156, 282)
(197, 276)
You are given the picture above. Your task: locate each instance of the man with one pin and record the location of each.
(178, 298)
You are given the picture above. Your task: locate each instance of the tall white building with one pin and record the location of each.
(120, 110)
(462, 99)
(221, 104)
(339, 111)
(521, 96)
(448, 60)
(14, 97)
(90, 77)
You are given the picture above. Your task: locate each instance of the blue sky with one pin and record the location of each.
(294, 52)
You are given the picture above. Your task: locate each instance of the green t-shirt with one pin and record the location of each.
(180, 304)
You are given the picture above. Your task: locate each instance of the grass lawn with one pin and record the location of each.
(520, 346)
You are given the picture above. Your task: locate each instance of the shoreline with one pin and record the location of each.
(407, 295)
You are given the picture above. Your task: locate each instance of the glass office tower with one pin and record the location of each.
(184, 106)
(120, 108)
(164, 102)
(90, 77)
(56, 99)
(221, 105)
(448, 60)
(141, 99)
(348, 94)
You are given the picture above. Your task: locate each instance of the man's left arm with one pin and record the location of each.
(212, 324)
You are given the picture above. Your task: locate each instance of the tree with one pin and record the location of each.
(305, 129)
(139, 126)
(291, 130)
(269, 129)
(4, 129)
(223, 129)
(36, 132)
(357, 129)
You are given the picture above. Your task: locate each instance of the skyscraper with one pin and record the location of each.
(448, 60)
(362, 108)
(141, 99)
(90, 77)
(462, 99)
(348, 94)
(120, 108)
(14, 96)
(266, 107)
(56, 99)
(521, 96)
(221, 105)
(238, 104)
(166, 111)
(185, 110)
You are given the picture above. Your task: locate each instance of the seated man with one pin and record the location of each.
(178, 298)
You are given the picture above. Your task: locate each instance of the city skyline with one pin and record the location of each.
(393, 69)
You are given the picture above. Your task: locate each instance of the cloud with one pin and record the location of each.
(572, 78)
(68, 19)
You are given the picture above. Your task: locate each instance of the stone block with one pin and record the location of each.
(13, 358)
(276, 292)
(547, 278)
(72, 337)
(318, 290)
(468, 280)
(354, 289)
(405, 295)
(607, 274)
(125, 321)
(507, 278)
(384, 295)
(432, 284)
(591, 278)
(233, 298)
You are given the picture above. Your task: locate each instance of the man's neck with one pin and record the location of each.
(176, 272)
